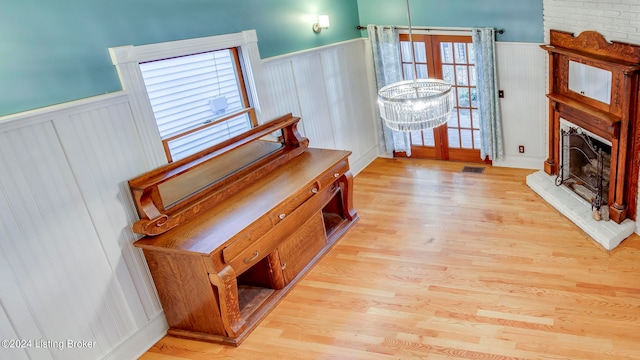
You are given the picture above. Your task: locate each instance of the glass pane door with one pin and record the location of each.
(423, 143)
(449, 58)
(458, 69)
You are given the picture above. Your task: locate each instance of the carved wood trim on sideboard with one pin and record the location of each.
(157, 218)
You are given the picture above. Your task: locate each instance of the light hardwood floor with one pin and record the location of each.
(450, 265)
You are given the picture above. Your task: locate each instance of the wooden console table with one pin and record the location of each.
(223, 254)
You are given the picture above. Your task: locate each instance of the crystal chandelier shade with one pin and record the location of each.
(418, 104)
(414, 105)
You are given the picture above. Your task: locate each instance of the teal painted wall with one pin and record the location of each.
(56, 51)
(521, 19)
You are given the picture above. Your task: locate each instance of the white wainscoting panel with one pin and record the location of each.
(280, 97)
(328, 88)
(104, 151)
(521, 74)
(68, 269)
(10, 286)
(339, 99)
(51, 248)
(314, 105)
(364, 99)
(348, 99)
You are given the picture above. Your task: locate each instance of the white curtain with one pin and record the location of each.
(490, 121)
(386, 59)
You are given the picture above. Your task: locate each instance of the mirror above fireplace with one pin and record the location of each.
(590, 81)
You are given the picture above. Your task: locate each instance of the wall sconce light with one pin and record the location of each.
(323, 23)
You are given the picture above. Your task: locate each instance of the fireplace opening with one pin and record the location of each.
(585, 165)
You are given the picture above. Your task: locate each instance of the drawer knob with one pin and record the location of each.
(336, 175)
(284, 266)
(253, 257)
(282, 216)
(314, 190)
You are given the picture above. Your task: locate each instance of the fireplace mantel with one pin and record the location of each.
(615, 119)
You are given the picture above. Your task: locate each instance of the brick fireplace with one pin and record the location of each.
(593, 85)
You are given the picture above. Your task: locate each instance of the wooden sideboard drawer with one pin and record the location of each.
(246, 251)
(285, 209)
(330, 176)
(252, 253)
(246, 238)
(298, 216)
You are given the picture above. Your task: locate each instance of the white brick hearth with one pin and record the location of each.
(606, 233)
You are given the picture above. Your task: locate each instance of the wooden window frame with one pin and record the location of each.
(128, 57)
(247, 107)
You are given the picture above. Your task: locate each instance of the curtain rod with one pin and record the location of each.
(360, 27)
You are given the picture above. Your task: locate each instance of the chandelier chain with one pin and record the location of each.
(413, 50)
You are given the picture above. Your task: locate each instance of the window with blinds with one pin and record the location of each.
(198, 100)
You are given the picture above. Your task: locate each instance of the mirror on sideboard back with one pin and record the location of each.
(190, 183)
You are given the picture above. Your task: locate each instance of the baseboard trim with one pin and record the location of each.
(140, 341)
(520, 162)
(364, 161)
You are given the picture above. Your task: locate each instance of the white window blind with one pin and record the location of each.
(188, 92)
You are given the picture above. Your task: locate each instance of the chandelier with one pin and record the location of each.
(418, 104)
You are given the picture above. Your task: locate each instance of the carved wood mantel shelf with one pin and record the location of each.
(615, 119)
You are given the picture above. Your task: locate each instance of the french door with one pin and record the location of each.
(449, 58)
